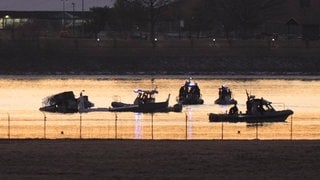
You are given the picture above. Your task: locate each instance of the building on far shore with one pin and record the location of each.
(299, 19)
(21, 24)
(307, 15)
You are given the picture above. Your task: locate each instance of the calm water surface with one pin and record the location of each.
(22, 96)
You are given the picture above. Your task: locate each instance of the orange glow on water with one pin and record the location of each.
(21, 98)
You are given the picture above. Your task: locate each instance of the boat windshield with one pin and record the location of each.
(146, 96)
(224, 91)
(255, 105)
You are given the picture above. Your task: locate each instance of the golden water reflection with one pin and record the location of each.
(21, 98)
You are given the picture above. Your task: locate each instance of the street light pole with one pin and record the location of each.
(73, 18)
(82, 12)
(64, 13)
(5, 23)
(82, 5)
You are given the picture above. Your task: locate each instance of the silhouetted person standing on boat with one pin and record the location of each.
(234, 109)
(197, 90)
(260, 107)
(183, 92)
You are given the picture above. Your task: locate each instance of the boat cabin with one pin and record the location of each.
(145, 96)
(188, 89)
(225, 96)
(189, 93)
(224, 92)
(258, 106)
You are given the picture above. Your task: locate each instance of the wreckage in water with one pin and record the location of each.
(66, 102)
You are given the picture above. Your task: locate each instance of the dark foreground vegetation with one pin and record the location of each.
(169, 57)
(163, 159)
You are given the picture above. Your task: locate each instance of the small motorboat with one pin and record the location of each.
(225, 96)
(66, 102)
(189, 94)
(258, 111)
(145, 102)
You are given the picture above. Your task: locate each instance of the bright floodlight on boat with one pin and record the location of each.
(137, 91)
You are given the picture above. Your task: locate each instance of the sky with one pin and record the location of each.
(51, 5)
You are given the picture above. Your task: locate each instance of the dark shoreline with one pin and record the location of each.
(159, 159)
(62, 57)
(146, 76)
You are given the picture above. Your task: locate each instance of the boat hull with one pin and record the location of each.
(190, 100)
(225, 102)
(145, 108)
(275, 116)
(59, 109)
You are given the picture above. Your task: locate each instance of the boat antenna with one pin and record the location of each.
(81, 92)
(247, 94)
(153, 83)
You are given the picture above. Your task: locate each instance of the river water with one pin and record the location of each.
(21, 97)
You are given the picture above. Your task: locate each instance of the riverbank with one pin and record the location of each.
(161, 159)
(68, 57)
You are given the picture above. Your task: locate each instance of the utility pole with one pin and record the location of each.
(64, 13)
(73, 18)
(82, 21)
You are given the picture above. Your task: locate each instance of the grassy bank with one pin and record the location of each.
(173, 57)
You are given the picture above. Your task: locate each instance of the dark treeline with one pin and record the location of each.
(227, 18)
(185, 29)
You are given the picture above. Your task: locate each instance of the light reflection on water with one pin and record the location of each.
(22, 96)
(138, 126)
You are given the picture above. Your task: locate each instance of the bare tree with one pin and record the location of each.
(204, 17)
(100, 17)
(246, 15)
(153, 9)
(127, 15)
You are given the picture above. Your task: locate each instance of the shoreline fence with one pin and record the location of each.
(183, 126)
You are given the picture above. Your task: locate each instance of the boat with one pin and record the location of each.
(145, 102)
(225, 96)
(259, 110)
(65, 102)
(189, 94)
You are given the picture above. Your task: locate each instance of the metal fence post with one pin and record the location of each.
(44, 125)
(116, 125)
(221, 129)
(291, 128)
(8, 125)
(257, 130)
(186, 126)
(152, 126)
(80, 125)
